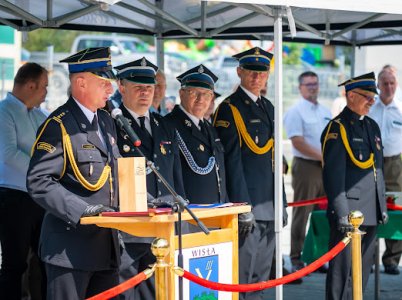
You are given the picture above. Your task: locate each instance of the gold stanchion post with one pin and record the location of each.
(356, 218)
(160, 248)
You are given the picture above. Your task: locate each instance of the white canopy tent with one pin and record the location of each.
(341, 22)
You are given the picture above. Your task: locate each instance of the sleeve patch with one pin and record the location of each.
(332, 136)
(45, 146)
(222, 123)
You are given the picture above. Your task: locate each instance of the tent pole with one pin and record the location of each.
(278, 184)
(353, 55)
(159, 42)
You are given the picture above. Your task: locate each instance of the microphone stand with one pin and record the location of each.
(180, 206)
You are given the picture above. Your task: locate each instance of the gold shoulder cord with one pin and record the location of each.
(241, 128)
(67, 148)
(361, 164)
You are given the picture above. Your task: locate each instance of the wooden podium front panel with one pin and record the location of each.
(162, 226)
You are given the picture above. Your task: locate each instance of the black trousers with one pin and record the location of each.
(339, 278)
(135, 258)
(255, 256)
(20, 225)
(72, 284)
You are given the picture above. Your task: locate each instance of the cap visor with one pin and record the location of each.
(258, 68)
(108, 75)
(141, 79)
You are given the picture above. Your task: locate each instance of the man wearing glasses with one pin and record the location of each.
(245, 123)
(73, 174)
(304, 123)
(353, 180)
(201, 151)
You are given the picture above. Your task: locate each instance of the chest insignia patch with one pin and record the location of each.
(45, 146)
(222, 123)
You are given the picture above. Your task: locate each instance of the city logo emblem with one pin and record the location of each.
(207, 268)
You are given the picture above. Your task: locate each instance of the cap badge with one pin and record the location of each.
(200, 69)
(257, 51)
(143, 62)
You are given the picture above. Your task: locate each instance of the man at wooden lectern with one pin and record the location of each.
(158, 143)
(73, 174)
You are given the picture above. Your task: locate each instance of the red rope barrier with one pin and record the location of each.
(394, 206)
(321, 200)
(265, 284)
(114, 291)
(324, 200)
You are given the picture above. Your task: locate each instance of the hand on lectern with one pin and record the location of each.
(94, 210)
(163, 201)
(246, 223)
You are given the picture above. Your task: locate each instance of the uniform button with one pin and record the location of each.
(157, 168)
(159, 180)
(155, 155)
(67, 228)
(90, 156)
(159, 193)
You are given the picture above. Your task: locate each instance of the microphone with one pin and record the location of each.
(125, 126)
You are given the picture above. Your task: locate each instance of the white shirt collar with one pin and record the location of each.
(250, 94)
(135, 115)
(193, 118)
(89, 114)
(308, 103)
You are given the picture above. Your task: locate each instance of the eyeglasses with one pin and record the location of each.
(367, 97)
(193, 94)
(310, 85)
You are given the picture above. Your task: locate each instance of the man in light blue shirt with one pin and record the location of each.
(20, 217)
(387, 112)
(304, 123)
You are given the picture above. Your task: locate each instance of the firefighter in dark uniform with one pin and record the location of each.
(245, 123)
(136, 84)
(353, 180)
(73, 174)
(201, 151)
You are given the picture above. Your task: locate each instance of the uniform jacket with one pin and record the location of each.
(250, 175)
(64, 242)
(200, 189)
(162, 150)
(347, 186)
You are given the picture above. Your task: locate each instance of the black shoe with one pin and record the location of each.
(391, 269)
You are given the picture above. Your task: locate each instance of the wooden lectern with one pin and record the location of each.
(162, 226)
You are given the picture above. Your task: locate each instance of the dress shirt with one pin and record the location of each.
(308, 120)
(195, 120)
(18, 134)
(389, 119)
(90, 116)
(250, 94)
(147, 119)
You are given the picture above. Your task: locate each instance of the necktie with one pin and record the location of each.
(204, 129)
(260, 104)
(142, 123)
(94, 124)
